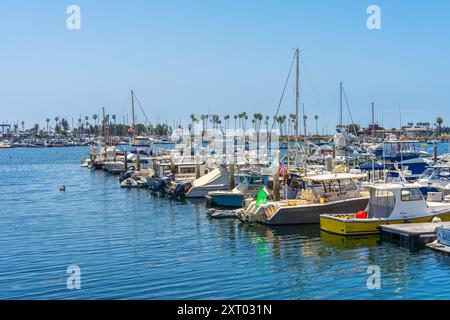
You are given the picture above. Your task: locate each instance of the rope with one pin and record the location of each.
(284, 89)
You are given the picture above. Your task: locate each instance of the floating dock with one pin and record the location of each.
(413, 235)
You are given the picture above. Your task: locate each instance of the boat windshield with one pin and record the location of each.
(392, 149)
(381, 204)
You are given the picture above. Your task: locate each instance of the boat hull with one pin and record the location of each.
(347, 227)
(310, 214)
(201, 192)
(225, 199)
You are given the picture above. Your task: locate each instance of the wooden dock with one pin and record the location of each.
(412, 235)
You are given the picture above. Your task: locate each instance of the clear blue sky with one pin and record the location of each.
(183, 57)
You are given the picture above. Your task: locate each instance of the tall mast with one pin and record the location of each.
(297, 92)
(373, 120)
(132, 115)
(104, 129)
(340, 106)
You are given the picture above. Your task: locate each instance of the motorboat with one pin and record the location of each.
(249, 185)
(390, 203)
(436, 178)
(332, 193)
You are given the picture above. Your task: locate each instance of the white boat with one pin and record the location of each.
(5, 144)
(437, 177)
(215, 180)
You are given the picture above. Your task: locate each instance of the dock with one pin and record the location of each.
(412, 235)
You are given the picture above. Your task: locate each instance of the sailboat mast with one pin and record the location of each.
(104, 129)
(132, 115)
(297, 92)
(340, 106)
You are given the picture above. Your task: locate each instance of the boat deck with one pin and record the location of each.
(438, 248)
(412, 235)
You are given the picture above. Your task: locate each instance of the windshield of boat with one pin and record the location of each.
(411, 194)
(381, 204)
(334, 187)
(435, 174)
(395, 148)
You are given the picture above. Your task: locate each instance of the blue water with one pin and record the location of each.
(133, 246)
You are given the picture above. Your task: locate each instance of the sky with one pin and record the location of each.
(224, 57)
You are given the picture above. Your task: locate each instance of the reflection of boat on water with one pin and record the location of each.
(347, 243)
(274, 232)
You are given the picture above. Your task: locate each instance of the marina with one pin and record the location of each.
(231, 158)
(173, 246)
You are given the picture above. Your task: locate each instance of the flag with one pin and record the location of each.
(261, 198)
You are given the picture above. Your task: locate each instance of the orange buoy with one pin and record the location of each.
(361, 215)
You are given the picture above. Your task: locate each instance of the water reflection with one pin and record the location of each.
(349, 243)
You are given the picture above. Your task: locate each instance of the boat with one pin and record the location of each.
(442, 242)
(248, 186)
(403, 154)
(216, 179)
(5, 144)
(390, 203)
(333, 193)
(436, 178)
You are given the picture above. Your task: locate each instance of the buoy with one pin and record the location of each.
(63, 188)
(436, 219)
(361, 215)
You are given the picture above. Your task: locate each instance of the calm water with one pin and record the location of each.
(131, 246)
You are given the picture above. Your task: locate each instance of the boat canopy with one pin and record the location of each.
(335, 177)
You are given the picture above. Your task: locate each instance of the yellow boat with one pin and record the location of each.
(390, 203)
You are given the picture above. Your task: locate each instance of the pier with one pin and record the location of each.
(412, 235)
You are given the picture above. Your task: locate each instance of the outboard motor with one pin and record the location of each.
(182, 188)
(127, 174)
(160, 184)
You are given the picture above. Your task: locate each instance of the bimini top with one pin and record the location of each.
(335, 176)
(394, 186)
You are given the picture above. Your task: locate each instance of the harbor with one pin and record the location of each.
(173, 247)
(224, 159)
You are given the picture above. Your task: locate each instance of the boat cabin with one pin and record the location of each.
(402, 201)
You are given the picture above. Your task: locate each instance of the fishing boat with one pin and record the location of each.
(333, 193)
(248, 186)
(390, 203)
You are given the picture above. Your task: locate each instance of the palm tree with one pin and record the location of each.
(95, 117)
(226, 118)
(439, 121)
(23, 125)
(114, 127)
(47, 120)
(203, 118)
(316, 117)
(235, 119)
